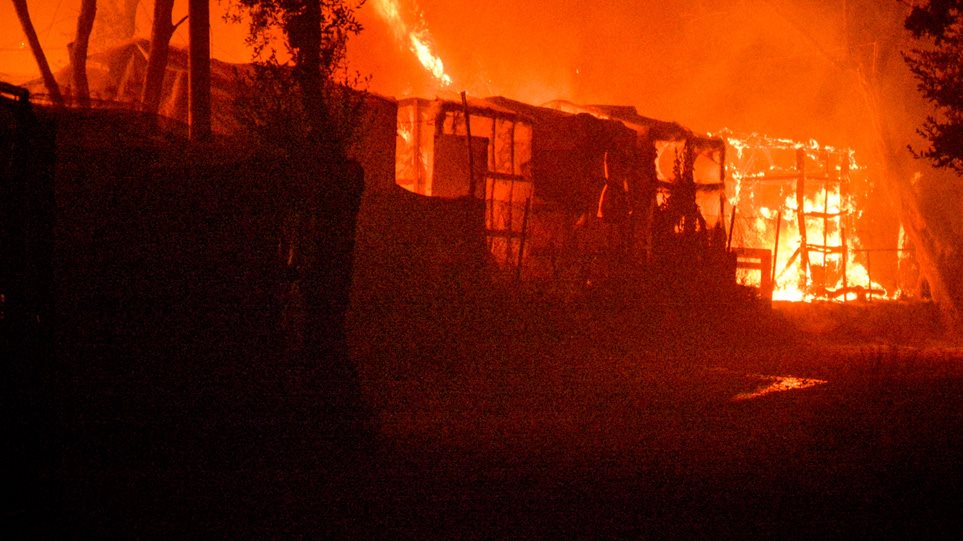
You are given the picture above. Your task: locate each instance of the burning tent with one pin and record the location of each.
(542, 174)
(436, 157)
(687, 242)
(116, 79)
(588, 215)
(670, 142)
(573, 194)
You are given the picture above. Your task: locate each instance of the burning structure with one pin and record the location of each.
(434, 138)
(573, 194)
(586, 73)
(797, 201)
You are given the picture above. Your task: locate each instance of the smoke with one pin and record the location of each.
(780, 67)
(798, 69)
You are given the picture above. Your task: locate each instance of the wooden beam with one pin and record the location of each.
(801, 217)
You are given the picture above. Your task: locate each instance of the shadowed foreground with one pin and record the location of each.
(169, 406)
(621, 426)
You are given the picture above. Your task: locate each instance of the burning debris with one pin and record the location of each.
(798, 201)
(600, 192)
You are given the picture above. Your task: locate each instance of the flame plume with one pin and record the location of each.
(417, 37)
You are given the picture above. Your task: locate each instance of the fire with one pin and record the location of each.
(777, 384)
(417, 38)
(765, 173)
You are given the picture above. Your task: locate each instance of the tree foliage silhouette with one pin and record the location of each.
(938, 67)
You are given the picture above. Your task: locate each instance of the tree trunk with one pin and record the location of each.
(304, 34)
(48, 79)
(330, 194)
(160, 37)
(200, 69)
(78, 51)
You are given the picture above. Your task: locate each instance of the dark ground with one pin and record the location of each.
(590, 425)
(165, 408)
(615, 425)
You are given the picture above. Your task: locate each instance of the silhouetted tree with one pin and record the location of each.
(300, 112)
(160, 36)
(305, 109)
(48, 79)
(939, 70)
(199, 27)
(315, 36)
(78, 51)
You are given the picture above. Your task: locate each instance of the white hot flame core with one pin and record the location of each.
(417, 38)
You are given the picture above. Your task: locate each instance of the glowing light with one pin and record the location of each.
(405, 134)
(778, 384)
(417, 38)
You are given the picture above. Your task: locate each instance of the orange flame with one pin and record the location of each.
(417, 38)
(760, 216)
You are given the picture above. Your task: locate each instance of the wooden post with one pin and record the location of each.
(801, 218)
(416, 164)
(521, 242)
(199, 26)
(775, 248)
(722, 214)
(471, 155)
(825, 229)
(843, 256)
(843, 177)
(732, 226)
(490, 195)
